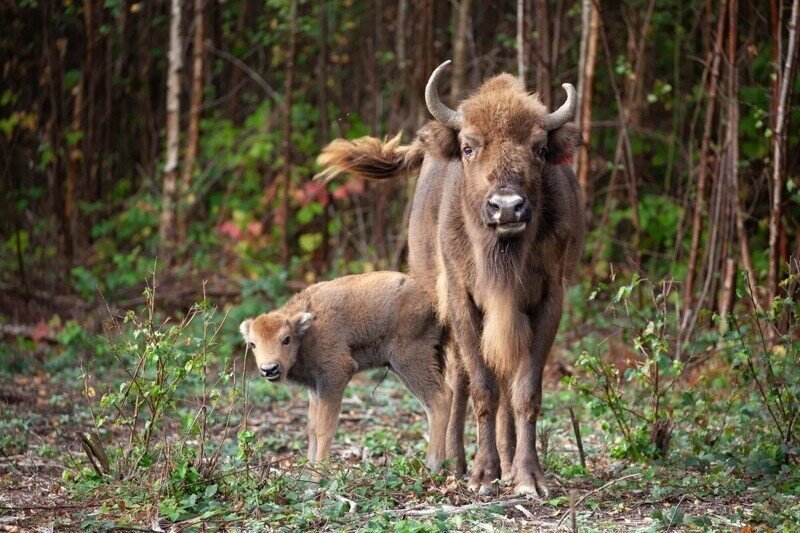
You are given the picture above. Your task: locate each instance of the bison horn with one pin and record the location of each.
(442, 113)
(563, 114)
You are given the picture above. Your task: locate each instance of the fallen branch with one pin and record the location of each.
(28, 332)
(454, 509)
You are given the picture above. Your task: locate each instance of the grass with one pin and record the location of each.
(377, 480)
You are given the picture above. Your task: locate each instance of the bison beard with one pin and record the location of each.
(506, 336)
(501, 295)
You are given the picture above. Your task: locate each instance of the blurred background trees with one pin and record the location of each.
(187, 130)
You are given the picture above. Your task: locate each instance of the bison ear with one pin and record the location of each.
(244, 329)
(440, 140)
(301, 322)
(562, 143)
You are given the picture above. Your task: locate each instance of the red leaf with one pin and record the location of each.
(41, 331)
(230, 229)
(255, 228)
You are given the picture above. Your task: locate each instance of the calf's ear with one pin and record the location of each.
(244, 329)
(301, 322)
(562, 143)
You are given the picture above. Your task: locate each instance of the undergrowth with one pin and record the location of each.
(181, 434)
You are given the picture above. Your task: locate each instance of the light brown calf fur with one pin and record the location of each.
(496, 228)
(331, 330)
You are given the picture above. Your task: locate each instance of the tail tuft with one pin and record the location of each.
(368, 158)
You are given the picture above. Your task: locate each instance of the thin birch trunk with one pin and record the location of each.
(169, 192)
(588, 62)
(193, 130)
(787, 80)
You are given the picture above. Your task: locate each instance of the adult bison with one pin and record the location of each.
(495, 229)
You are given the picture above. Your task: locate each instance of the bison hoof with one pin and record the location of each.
(484, 480)
(527, 484)
(458, 468)
(485, 489)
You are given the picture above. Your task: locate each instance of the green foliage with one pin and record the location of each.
(739, 412)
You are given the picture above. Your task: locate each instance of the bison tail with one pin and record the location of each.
(369, 158)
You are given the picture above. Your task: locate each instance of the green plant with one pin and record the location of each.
(638, 400)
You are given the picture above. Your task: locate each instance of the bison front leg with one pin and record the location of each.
(506, 436)
(467, 323)
(327, 419)
(527, 397)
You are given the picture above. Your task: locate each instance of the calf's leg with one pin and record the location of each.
(458, 382)
(329, 405)
(313, 405)
(419, 369)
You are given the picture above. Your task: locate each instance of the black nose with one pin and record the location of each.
(505, 207)
(271, 370)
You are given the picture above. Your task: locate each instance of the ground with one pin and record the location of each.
(380, 441)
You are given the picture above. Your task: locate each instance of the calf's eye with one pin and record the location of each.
(251, 346)
(468, 151)
(285, 341)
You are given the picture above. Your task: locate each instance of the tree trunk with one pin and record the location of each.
(542, 52)
(521, 41)
(460, 52)
(733, 147)
(286, 144)
(193, 130)
(378, 191)
(322, 106)
(73, 176)
(705, 163)
(237, 73)
(586, 69)
(786, 81)
(169, 192)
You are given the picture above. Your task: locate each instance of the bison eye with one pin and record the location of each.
(468, 151)
(285, 341)
(542, 152)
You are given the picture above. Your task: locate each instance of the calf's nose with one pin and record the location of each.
(270, 370)
(505, 207)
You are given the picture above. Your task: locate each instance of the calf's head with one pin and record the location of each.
(274, 339)
(504, 137)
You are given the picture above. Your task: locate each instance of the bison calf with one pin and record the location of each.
(331, 330)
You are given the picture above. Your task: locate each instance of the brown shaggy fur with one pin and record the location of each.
(331, 330)
(501, 292)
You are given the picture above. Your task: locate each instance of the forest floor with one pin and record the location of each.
(380, 426)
